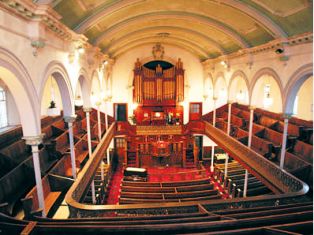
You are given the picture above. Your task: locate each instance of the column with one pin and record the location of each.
(229, 117)
(251, 125)
(89, 142)
(98, 120)
(108, 156)
(70, 120)
(286, 117)
(214, 111)
(246, 176)
(34, 141)
(106, 116)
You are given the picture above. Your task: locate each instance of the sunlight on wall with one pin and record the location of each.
(259, 94)
(221, 92)
(238, 91)
(305, 100)
(51, 93)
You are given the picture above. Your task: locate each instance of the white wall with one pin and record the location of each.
(305, 100)
(122, 77)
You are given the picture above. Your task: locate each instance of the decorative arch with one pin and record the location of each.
(85, 84)
(24, 93)
(261, 72)
(59, 73)
(239, 73)
(294, 84)
(208, 82)
(258, 75)
(220, 81)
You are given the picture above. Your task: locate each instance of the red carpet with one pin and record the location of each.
(160, 174)
(114, 187)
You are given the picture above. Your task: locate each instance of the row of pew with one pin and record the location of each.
(234, 182)
(173, 191)
(17, 179)
(293, 218)
(267, 136)
(100, 186)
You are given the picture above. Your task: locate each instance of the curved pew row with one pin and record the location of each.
(295, 218)
(176, 191)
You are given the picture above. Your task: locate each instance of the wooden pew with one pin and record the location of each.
(18, 151)
(304, 151)
(10, 136)
(51, 198)
(81, 152)
(261, 146)
(267, 121)
(13, 186)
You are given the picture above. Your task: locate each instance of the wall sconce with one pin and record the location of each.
(146, 115)
(105, 62)
(78, 101)
(80, 49)
(157, 114)
(240, 96)
(268, 101)
(134, 106)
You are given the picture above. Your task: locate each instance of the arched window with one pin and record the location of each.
(3, 109)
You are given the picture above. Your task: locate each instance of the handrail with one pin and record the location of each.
(290, 185)
(269, 173)
(76, 191)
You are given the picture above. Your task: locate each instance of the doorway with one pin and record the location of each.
(121, 112)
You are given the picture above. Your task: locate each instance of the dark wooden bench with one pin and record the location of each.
(31, 202)
(14, 185)
(267, 121)
(304, 151)
(10, 136)
(81, 152)
(18, 151)
(262, 146)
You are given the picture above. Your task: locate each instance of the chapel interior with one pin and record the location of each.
(156, 117)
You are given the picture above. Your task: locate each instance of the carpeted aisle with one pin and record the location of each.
(114, 187)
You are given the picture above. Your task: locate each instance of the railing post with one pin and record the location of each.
(286, 117)
(98, 120)
(229, 117)
(251, 125)
(70, 120)
(214, 111)
(89, 142)
(226, 166)
(212, 159)
(34, 141)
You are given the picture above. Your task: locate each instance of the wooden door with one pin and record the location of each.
(195, 111)
(121, 112)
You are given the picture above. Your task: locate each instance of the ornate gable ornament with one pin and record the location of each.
(158, 51)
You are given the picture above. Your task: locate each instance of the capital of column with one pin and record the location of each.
(87, 109)
(287, 115)
(215, 98)
(33, 140)
(251, 107)
(70, 119)
(229, 101)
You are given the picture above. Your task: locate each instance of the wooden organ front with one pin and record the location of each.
(158, 93)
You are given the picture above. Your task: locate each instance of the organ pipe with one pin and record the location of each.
(159, 85)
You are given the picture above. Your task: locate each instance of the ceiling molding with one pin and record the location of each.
(269, 25)
(282, 13)
(170, 29)
(185, 45)
(233, 34)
